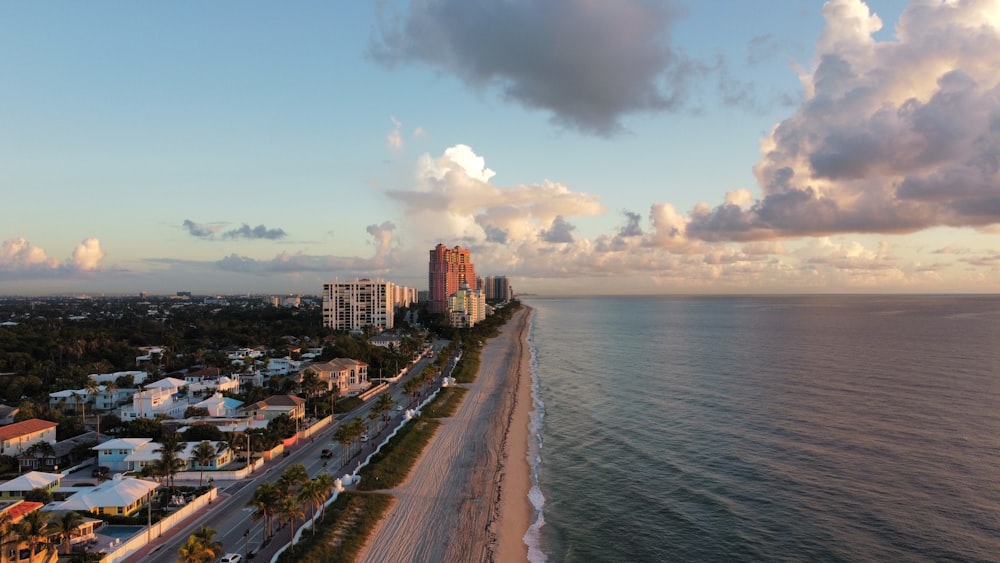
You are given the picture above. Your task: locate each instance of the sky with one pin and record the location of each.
(575, 146)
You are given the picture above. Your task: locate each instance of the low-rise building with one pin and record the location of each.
(17, 437)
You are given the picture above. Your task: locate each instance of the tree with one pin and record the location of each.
(203, 453)
(200, 547)
(34, 529)
(344, 437)
(39, 494)
(265, 504)
(311, 495)
(325, 483)
(169, 463)
(8, 535)
(292, 477)
(65, 526)
(383, 405)
(288, 512)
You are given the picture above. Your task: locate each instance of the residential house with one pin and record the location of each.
(150, 453)
(18, 552)
(21, 485)
(161, 397)
(17, 437)
(113, 453)
(7, 414)
(349, 377)
(121, 496)
(219, 406)
(275, 406)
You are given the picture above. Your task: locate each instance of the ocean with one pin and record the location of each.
(760, 428)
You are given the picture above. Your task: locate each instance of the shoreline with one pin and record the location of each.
(515, 510)
(466, 498)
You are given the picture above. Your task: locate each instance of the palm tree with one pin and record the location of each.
(292, 477)
(325, 483)
(265, 504)
(200, 547)
(7, 535)
(170, 464)
(34, 529)
(65, 526)
(289, 511)
(311, 496)
(344, 437)
(204, 453)
(383, 404)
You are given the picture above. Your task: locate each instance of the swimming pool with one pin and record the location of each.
(119, 531)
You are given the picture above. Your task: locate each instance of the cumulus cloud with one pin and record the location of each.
(894, 136)
(560, 231)
(20, 259)
(19, 254)
(587, 63)
(453, 195)
(88, 255)
(382, 236)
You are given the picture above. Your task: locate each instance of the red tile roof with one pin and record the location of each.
(25, 427)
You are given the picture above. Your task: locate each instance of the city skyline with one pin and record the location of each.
(576, 148)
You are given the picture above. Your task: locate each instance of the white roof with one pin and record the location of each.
(167, 383)
(120, 491)
(30, 480)
(122, 444)
(145, 452)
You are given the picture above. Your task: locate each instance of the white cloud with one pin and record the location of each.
(88, 255)
(893, 137)
(394, 140)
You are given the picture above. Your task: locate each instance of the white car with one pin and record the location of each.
(231, 558)
(399, 407)
(364, 437)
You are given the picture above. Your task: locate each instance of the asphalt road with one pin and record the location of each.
(230, 516)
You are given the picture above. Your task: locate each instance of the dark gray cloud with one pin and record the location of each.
(252, 233)
(561, 231)
(201, 230)
(210, 230)
(631, 227)
(588, 63)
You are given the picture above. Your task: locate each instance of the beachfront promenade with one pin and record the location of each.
(230, 516)
(464, 500)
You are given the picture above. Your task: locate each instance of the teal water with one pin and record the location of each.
(841, 428)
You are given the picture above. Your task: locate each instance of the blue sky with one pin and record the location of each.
(575, 146)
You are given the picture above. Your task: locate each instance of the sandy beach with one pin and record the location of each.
(466, 498)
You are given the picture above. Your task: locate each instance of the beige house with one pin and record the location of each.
(349, 377)
(17, 437)
(275, 406)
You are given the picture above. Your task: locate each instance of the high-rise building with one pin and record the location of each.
(353, 305)
(447, 271)
(498, 288)
(466, 307)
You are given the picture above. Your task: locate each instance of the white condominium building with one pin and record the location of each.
(353, 305)
(466, 307)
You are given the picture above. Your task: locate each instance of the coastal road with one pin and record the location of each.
(230, 516)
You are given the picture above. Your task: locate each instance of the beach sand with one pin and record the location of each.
(466, 498)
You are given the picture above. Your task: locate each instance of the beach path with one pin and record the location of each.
(449, 509)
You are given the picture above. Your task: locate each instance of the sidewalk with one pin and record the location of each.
(184, 527)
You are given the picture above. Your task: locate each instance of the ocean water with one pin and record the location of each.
(818, 428)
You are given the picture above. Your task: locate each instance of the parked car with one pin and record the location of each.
(364, 437)
(230, 558)
(102, 471)
(326, 453)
